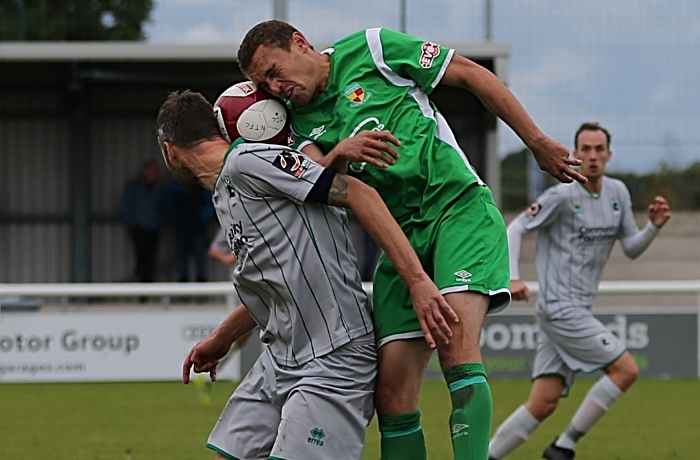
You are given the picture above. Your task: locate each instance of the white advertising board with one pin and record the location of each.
(127, 346)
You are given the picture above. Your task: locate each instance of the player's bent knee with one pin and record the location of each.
(543, 408)
(544, 396)
(633, 372)
(624, 372)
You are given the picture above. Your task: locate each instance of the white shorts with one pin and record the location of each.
(576, 341)
(319, 410)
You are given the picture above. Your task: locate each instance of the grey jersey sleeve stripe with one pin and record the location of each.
(268, 184)
(266, 160)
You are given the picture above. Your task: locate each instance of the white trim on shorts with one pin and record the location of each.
(402, 336)
(500, 308)
(448, 290)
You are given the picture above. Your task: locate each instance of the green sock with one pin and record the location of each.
(472, 409)
(402, 437)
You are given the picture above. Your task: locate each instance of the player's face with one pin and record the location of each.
(289, 75)
(593, 152)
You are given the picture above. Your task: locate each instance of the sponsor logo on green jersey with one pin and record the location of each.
(428, 52)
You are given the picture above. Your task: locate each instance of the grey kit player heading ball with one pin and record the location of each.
(577, 226)
(310, 394)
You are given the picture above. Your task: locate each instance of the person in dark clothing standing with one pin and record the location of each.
(191, 214)
(143, 211)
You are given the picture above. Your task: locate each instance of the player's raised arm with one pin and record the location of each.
(636, 241)
(551, 156)
(372, 147)
(433, 311)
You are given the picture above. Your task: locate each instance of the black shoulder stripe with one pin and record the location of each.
(319, 192)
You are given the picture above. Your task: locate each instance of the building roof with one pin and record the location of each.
(137, 51)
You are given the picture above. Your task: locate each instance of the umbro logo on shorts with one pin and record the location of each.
(463, 276)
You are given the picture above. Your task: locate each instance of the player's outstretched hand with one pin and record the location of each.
(205, 357)
(659, 212)
(373, 147)
(518, 290)
(433, 312)
(554, 158)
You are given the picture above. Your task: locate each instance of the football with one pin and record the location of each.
(246, 111)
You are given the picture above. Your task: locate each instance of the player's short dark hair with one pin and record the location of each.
(186, 119)
(273, 33)
(591, 126)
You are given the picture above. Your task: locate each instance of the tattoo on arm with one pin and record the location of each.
(338, 191)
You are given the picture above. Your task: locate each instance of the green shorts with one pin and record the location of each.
(466, 250)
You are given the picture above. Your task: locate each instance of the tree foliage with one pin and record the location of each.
(681, 187)
(73, 20)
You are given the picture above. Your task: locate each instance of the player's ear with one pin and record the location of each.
(299, 41)
(169, 152)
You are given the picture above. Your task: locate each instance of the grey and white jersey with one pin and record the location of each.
(576, 234)
(297, 270)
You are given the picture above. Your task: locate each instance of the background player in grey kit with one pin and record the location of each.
(310, 394)
(577, 225)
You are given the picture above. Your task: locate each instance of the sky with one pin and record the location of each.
(631, 65)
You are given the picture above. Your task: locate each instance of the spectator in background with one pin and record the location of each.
(191, 214)
(143, 211)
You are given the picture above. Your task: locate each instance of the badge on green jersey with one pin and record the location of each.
(356, 94)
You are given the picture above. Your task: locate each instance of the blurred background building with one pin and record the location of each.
(81, 82)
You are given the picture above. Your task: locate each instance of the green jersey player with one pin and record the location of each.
(359, 102)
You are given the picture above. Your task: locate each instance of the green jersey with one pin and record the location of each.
(380, 80)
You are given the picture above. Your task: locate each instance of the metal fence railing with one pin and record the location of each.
(167, 291)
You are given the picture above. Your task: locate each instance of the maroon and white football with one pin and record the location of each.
(246, 111)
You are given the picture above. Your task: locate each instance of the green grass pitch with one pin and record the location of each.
(133, 421)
